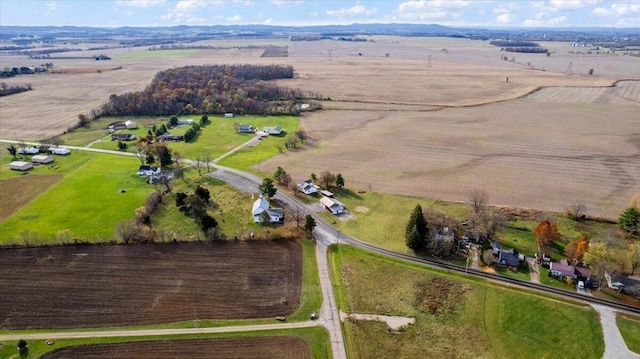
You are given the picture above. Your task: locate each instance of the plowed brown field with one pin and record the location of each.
(115, 285)
(278, 347)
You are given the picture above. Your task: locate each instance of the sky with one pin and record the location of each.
(464, 13)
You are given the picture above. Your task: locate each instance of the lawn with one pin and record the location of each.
(630, 330)
(97, 129)
(456, 317)
(380, 218)
(87, 201)
(317, 339)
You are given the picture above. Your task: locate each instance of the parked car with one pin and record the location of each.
(581, 285)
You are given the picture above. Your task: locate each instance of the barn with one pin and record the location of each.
(41, 159)
(20, 165)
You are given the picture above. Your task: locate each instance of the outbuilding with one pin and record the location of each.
(332, 204)
(41, 159)
(20, 165)
(59, 150)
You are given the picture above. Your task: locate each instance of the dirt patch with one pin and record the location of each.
(521, 214)
(439, 295)
(115, 285)
(395, 323)
(18, 191)
(281, 347)
(362, 209)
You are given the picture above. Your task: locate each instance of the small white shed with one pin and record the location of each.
(41, 159)
(20, 165)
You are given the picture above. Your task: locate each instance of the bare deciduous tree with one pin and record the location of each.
(478, 199)
(327, 178)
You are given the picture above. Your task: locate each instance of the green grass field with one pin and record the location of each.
(380, 218)
(456, 317)
(630, 330)
(216, 138)
(87, 201)
(317, 338)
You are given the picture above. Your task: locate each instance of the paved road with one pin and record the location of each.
(155, 332)
(614, 345)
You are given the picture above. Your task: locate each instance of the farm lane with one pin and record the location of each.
(155, 332)
(110, 152)
(614, 345)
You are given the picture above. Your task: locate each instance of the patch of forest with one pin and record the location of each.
(241, 89)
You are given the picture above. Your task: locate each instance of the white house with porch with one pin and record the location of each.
(261, 205)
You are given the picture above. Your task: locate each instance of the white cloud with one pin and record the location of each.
(555, 5)
(234, 18)
(556, 21)
(129, 13)
(192, 5)
(622, 9)
(286, 3)
(139, 3)
(313, 14)
(352, 11)
(246, 3)
(52, 6)
(268, 21)
(506, 8)
(417, 5)
(505, 19)
(430, 10)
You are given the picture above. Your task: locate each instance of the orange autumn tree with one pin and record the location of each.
(575, 250)
(546, 233)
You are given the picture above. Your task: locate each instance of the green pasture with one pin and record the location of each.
(216, 138)
(316, 337)
(97, 130)
(456, 316)
(87, 201)
(630, 329)
(156, 54)
(61, 165)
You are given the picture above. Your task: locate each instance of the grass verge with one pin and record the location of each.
(630, 329)
(316, 337)
(456, 317)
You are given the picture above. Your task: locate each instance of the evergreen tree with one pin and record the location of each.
(339, 180)
(416, 230)
(267, 189)
(413, 239)
(309, 224)
(629, 220)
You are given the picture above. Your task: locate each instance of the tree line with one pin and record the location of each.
(241, 89)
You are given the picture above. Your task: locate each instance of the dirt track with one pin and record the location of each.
(117, 285)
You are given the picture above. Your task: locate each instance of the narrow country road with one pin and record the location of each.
(155, 332)
(614, 345)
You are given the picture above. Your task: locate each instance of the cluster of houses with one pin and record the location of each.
(266, 131)
(328, 200)
(36, 157)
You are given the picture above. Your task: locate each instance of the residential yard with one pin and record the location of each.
(630, 329)
(314, 340)
(216, 138)
(380, 218)
(87, 201)
(456, 317)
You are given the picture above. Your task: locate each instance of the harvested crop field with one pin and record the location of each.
(277, 347)
(525, 153)
(116, 285)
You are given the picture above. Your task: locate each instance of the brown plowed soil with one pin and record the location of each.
(115, 285)
(265, 347)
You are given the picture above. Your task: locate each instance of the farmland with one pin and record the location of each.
(117, 285)
(277, 347)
